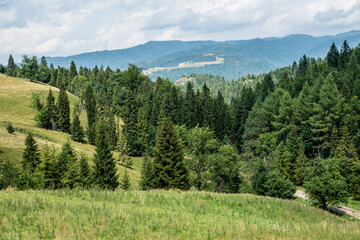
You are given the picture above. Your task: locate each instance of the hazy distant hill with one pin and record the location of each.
(230, 59)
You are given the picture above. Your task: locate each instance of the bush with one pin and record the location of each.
(10, 128)
(278, 186)
(271, 184)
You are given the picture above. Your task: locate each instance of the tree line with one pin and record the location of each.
(281, 128)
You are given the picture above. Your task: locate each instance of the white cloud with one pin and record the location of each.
(65, 27)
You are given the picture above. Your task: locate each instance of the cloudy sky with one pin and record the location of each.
(67, 27)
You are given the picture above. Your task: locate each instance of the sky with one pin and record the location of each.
(68, 27)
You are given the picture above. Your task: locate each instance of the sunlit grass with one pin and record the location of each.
(96, 214)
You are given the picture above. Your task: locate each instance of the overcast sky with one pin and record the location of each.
(67, 27)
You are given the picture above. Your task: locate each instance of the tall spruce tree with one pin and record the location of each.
(90, 106)
(31, 155)
(11, 67)
(190, 107)
(104, 164)
(147, 173)
(77, 132)
(66, 158)
(169, 167)
(63, 110)
(332, 56)
(130, 129)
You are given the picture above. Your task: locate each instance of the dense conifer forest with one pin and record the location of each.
(295, 126)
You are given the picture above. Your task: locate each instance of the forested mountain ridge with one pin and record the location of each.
(242, 57)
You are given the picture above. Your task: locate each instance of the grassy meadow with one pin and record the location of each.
(159, 214)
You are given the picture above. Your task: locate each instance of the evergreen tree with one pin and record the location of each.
(67, 159)
(51, 110)
(48, 168)
(73, 72)
(31, 156)
(267, 86)
(63, 110)
(301, 164)
(104, 164)
(130, 128)
(346, 153)
(70, 179)
(11, 67)
(190, 107)
(143, 131)
(147, 173)
(90, 106)
(332, 57)
(169, 167)
(125, 180)
(84, 172)
(344, 56)
(122, 147)
(219, 116)
(77, 132)
(284, 121)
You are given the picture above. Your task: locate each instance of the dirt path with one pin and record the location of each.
(338, 209)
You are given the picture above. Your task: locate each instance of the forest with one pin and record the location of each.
(266, 134)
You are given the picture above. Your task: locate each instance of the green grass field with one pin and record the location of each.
(76, 214)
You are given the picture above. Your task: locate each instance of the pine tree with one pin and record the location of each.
(31, 156)
(70, 179)
(333, 56)
(206, 108)
(301, 164)
(219, 116)
(267, 86)
(90, 106)
(169, 167)
(73, 72)
(77, 132)
(344, 56)
(67, 158)
(104, 164)
(51, 110)
(147, 173)
(346, 153)
(283, 160)
(84, 172)
(11, 67)
(143, 131)
(190, 108)
(123, 150)
(284, 121)
(130, 128)
(63, 110)
(125, 180)
(48, 167)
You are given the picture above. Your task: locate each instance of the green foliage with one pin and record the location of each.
(169, 168)
(325, 185)
(333, 56)
(66, 160)
(104, 164)
(125, 180)
(11, 67)
(49, 168)
(77, 132)
(147, 173)
(63, 110)
(90, 106)
(271, 183)
(9, 174)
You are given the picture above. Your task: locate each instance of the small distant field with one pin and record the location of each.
(78, 214)
(15, 107)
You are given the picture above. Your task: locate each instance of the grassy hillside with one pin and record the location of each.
(163, 215)
(15, 107)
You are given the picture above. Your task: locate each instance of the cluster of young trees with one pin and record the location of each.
(45, 169)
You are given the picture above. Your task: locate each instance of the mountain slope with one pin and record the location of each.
(174, 58)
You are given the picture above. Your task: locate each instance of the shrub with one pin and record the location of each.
(10, 128)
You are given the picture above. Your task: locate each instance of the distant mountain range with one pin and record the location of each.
(231, 59)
